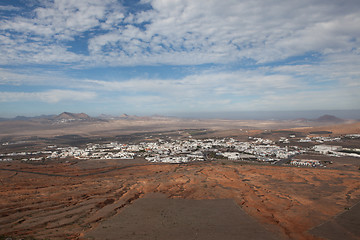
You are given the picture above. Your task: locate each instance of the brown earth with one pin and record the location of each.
(336, 129)
(344, 226)
(45, 128)
(180, 219)
(67, 200)
(70, 200)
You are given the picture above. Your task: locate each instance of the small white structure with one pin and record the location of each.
(325, 149)
(232, 155)
(305, 162)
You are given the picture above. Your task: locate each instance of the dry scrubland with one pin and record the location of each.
(43, 128)
(76, 199)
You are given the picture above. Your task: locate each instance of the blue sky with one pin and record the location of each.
(178, 56)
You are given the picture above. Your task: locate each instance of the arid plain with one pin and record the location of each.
(134, 199)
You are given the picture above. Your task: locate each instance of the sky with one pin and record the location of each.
(171, 57)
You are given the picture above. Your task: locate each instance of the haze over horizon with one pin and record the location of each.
(179, 57)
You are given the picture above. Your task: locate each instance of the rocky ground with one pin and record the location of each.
(69, 200)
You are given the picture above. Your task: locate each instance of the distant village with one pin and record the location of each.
(189, 150)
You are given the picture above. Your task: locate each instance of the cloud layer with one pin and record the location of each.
(51, 96)
(242, 55)
(178, 32)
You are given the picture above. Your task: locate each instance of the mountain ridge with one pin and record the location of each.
(69, 115)
(329, 118)
(326, 118)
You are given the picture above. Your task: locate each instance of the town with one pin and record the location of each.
(256, 150)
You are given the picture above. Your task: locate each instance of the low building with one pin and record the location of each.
(325, 149)
(305, 162)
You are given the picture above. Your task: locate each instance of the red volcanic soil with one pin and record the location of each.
(69, 201)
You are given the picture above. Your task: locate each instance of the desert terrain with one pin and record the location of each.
(73, 198)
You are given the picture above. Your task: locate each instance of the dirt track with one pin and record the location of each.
(289, 201)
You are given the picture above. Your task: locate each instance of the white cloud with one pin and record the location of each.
(328, 84)
(42, 37)
(63, 19)
(330, 99)
(8, 8)
(275, 89)
(36, 77)
(324, 34)
(215, 90)
(181, 32)
(50, 96)
(225, 31)
(341, 69)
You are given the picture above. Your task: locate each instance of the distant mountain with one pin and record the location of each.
(68, 115)
(21, 118)
(323, 119)
(329, 118)
(105, 116)
(24, 118)
(132, 117)
(160, 117)
(123, 116)
(302, 119)
(62, 116)
(46, 116)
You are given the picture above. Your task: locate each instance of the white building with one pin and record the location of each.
(325, 149)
